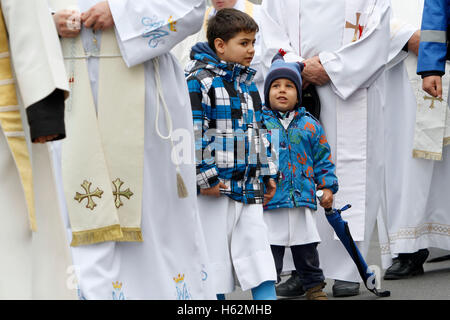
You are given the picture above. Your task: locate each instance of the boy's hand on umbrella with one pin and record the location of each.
(327, 199)
(271, 188)
(214, 191)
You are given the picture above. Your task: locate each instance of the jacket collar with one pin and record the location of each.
(299, 112)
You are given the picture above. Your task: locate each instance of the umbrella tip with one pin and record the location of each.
(381, 294)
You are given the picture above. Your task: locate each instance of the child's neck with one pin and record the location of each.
(223, 58)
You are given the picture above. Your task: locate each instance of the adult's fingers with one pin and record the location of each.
(89, 19)
(69, 33)
(432, 85)
(98, 25)
(431, 89)
(439, 87)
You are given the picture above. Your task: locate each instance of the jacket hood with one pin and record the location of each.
(203, 57)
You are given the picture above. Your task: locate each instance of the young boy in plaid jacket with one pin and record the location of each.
(231, 166)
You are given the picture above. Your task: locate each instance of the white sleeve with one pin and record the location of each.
(147, 29)
(34, 44)
(273, 33)
(358, 64)
(401, 32)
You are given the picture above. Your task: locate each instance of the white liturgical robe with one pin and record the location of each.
(35, 255)
(347, 36)
(171, 261)
(417, 201)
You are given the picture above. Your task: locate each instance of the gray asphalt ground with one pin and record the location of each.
(433, 285)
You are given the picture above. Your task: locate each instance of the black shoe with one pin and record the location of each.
(345, 288)
(419, 257)
(407, 266)
(439, 259)
(292, 287)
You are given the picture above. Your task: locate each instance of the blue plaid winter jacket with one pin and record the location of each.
(304, 159)
(226, 109)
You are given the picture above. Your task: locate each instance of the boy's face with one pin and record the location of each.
(239, 49)
(220, 4)
(283, 95)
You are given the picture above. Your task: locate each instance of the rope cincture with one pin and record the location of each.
(181, 186)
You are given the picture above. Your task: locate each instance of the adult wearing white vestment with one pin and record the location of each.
(33, 245)
(416, 189)
(182, 51)
(169, 260)
(341, 44)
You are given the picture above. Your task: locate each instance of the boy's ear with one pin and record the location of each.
(219, 45)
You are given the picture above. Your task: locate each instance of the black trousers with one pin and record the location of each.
(306, 261)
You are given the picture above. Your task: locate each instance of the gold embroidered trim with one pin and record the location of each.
(415, 233)
(111, 233)
(385, 249)
(427, 155)
(131, 235)
(11, 122)
(446, 141)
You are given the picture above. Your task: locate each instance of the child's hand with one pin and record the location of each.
(327, 199)
(271, 189)
(214, 191)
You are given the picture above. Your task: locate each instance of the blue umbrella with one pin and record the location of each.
(343, 232)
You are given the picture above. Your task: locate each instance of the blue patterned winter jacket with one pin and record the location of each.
(304, 159)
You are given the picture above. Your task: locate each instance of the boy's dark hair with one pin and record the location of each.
(227, 23)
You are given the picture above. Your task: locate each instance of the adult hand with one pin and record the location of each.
(45, 139)
(271, 188)
(413, 43)
(99, 17)
(327, 199)
(68, 23)
(305, 84)
(433, 86)
(314, 72)
(214, 191)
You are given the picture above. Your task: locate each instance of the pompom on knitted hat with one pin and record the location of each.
(287, 70)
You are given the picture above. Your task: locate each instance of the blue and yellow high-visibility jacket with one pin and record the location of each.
(433, 38)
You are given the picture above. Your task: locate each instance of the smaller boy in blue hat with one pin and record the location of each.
(305, 165)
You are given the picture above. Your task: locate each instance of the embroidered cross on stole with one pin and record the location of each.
(432, 130)
(103, 154)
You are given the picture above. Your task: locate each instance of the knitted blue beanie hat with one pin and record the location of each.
(287, 70)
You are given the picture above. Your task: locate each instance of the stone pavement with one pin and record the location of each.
(433, 285)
